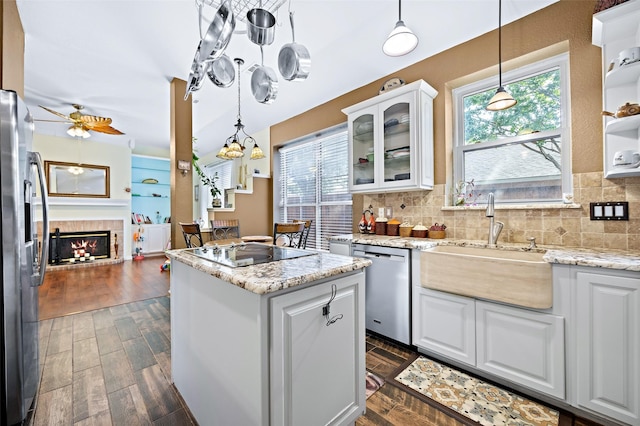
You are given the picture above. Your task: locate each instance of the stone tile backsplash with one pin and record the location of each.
(562, 225)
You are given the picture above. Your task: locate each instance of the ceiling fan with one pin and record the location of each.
(83, 123)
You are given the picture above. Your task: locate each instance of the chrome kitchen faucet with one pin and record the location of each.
(494, 228)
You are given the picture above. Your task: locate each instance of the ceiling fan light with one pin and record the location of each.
(78, 132)
(400, 41)
(256, 152)
(501, 100)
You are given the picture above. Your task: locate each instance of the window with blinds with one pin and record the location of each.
(313, 176)
(225, 171)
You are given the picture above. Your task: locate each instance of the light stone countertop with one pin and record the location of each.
(612, 259)
(273, 276)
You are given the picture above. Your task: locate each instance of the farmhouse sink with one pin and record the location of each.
(516, 277)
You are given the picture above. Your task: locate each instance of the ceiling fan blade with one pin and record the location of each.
(57, 113)
(106, 129)
(93, 120)
(50, 121)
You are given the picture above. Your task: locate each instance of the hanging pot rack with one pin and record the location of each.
(226, 14)
(242, 7)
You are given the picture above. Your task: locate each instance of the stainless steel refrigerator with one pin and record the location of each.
(23, 258)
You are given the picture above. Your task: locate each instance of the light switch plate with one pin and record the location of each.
(609, 210)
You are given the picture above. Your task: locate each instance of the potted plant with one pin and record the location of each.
(208, 181)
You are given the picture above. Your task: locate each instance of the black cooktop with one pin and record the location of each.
(245, 254)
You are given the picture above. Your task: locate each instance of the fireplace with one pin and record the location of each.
(78, 246)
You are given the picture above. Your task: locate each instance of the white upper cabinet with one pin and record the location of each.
(391, 140)
(616, 30)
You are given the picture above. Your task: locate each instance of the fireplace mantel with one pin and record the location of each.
(84, 201)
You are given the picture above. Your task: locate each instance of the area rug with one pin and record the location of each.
(373, 383)
(477, 400)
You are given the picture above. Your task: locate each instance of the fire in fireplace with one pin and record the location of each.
(70, 247)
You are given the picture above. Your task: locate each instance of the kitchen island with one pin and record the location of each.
(274, 343)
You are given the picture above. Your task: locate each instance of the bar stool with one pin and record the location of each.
(225, 228)
(191, 234)
(307, 228)
(288, 234)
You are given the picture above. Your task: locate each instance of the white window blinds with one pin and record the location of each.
(314, 185)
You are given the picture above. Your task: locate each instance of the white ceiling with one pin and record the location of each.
(117, 58)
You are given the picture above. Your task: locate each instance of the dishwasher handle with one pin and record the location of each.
(374, 255)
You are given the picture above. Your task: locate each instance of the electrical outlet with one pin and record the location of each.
(609, 210)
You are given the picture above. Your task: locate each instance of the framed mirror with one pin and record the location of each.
(76, 180)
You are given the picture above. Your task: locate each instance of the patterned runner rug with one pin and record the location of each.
(479, 401)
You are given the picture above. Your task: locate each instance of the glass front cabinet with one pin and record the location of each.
(391, 140)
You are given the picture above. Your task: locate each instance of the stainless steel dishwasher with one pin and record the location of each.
(388, 291)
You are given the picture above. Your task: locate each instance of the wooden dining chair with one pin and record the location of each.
(191, 234)
(288, 234)
(223, 229)
(307, 228)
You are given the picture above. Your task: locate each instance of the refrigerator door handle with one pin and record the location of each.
(38, 277)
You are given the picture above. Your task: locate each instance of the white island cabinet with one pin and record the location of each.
(253, 346)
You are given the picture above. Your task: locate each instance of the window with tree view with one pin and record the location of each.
(521, 154)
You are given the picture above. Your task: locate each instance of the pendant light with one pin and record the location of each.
(401, 40)
(232, 147)
(502, 99)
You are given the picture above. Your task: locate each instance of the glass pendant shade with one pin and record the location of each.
(400, 41)
(501, 100)
(256, 152)
(235, 150)
(223, 152)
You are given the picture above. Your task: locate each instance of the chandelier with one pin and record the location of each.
(232, 148)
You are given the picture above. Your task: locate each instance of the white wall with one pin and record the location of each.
(116, 157)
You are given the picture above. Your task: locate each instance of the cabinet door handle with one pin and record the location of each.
(326, 309)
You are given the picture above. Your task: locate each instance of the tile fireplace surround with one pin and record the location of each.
(113, 225)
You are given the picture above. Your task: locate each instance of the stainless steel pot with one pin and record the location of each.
(294, 61)
(221, 71)
(261, 26)
(264, 83)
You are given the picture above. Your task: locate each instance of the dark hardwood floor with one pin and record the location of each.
(84, 289)
(125, 318)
